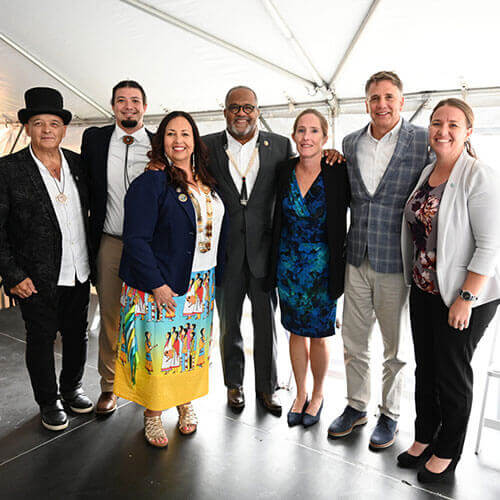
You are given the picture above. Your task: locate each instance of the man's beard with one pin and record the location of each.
(236, 133)
(129, 123)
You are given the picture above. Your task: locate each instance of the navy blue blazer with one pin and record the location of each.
(159, 236)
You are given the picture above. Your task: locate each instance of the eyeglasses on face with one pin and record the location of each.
(235, 108)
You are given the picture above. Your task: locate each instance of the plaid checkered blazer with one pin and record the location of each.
(375, 228)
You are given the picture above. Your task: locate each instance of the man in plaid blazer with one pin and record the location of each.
(384, 160)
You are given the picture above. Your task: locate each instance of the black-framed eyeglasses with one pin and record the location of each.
(235, 108)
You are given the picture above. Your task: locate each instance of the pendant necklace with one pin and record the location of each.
(61, 197)
(243, 193)
(204, 244)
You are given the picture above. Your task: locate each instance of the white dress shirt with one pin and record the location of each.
(207, 260)
(374, 155)
(74, 257)
(242, 154)
(117, 183)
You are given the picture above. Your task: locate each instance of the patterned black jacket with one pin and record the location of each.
(30, 237)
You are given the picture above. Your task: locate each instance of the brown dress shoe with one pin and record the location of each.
(271, 402)
(236, 397)
(106, 403)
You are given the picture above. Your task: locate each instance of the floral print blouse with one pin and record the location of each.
(421, 214)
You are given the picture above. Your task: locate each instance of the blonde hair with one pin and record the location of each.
(466, 110)
(317, 114)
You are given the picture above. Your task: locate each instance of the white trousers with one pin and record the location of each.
(371, 296)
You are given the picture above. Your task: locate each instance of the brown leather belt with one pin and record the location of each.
(113, 236)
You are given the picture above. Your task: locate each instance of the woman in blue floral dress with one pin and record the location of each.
(308, 257)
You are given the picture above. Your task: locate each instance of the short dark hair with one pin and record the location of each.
(200, 161)
(132, 84)
(390, 76)
(240, 87)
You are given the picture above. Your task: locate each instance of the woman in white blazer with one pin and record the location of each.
(451, 249)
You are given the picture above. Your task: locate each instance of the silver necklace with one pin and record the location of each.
(61, 197)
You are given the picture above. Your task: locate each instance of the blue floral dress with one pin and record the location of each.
(302, 275)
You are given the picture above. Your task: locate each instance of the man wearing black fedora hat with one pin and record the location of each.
(114, 156)
(44, 253)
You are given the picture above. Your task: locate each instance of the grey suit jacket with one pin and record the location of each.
(375, 228)
(250, 227)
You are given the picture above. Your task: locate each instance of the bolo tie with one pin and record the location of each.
(127, 140)
(243, 192)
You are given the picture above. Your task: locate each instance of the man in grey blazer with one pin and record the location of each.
(243, 161)
(384, 161)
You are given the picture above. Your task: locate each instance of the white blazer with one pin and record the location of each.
(468, 230)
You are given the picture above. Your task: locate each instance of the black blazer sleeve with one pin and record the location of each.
(337, 202)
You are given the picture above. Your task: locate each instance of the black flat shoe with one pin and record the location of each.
(407, 461)
(295, 418)
(426, 476)
(308, 420)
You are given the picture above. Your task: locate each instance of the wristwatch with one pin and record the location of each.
(467, 296)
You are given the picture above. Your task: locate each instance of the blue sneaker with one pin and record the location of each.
(384, 433)
(343, 425)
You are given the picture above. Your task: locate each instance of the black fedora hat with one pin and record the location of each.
(43, 100)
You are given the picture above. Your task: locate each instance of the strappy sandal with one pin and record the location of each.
(187, 419)
(154, 432)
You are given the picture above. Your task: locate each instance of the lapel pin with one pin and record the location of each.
(266, 143)
(76, 178)
(183, 197)
(452, 184)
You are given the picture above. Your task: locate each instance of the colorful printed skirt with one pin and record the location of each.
(163, 357)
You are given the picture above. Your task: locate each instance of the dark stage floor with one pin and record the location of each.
(245, 456)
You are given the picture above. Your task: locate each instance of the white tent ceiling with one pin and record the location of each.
(187, 53)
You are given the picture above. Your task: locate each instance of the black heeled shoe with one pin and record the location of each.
(426, 476)
(308, 420)
(294, 418)
(407, 461)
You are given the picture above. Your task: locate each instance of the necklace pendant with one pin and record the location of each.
(204, 246)
(61, 198)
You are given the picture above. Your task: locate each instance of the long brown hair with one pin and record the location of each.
(466, 110)
(199, 159)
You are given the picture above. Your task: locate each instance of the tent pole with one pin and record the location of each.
(163, 16)
(54, 75)
(17, 138)
(354, 41)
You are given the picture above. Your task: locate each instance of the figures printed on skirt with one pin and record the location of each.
(149, 348)
(201, 352)
(192, 347)
(140, 307)
(170, 356)
(193, 305)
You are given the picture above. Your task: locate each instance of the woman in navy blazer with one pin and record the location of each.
(172, 257)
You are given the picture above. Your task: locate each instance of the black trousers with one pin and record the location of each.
(44, 315)
(229, 299)
(443, 376)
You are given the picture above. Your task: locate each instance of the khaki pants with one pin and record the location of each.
(109, 287)
(368, 296)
